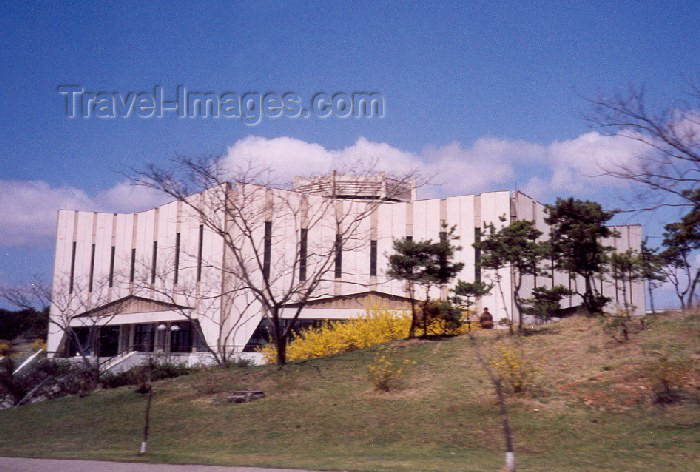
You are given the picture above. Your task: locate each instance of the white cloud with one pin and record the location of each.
(453, 168)
(28, 207)
(126, 198)
(578, 164)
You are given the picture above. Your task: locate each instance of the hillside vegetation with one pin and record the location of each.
(589, 407)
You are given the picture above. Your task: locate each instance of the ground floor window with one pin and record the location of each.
(144, 337)
(79, 342)
(263, 333)
(181, 337)
(108, 341)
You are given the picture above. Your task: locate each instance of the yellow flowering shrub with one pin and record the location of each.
(385, 371)
(379, 325)
(38, 344)
(512, 367)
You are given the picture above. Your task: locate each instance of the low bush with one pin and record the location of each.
(44, 379)
(621, 325)
(386, 370)
(513, 368)
(378, 326)
(137, 375)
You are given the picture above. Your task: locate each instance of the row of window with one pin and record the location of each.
(132, 266)
(267, 258)
(303, 253)
(104, 340)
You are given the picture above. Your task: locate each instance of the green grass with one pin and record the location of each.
(324, 414)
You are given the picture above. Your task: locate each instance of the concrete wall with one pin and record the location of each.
(289, 212)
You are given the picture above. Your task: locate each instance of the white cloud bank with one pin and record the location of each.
(28, 208)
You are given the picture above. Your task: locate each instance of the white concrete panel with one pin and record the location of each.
(103, 248)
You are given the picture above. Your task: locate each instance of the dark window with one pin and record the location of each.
(155, 262)
(267, 250)
(144, 337)
(181, 338)
(303, 242)
(338, 256)
(199, 253)
(263, 333)
(111, 267)
(132, 271)
(409, 238)
(199, 342)
(177, 255)
(92, 268)
(72, 268)
(477, 255)
(83, 341)
(108, 341)
(373, 258)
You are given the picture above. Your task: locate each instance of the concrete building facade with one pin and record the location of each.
(165, 267)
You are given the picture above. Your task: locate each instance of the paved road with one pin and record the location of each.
(18, 464)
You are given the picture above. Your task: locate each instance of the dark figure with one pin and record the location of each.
(486, 320)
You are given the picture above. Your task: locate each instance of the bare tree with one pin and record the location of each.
(283, 243)
(79, 309)
(34, 295)
(668, 167)
(186, 298)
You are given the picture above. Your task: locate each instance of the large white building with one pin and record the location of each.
(165, 267)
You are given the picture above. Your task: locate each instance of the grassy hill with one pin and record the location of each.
(590, 409)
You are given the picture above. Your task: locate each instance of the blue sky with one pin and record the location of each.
(486, 88)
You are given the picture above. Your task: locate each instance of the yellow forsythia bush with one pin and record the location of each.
(385, 371)
(513, 368)
(379, 325)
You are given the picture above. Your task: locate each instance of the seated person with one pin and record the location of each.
(486, 320)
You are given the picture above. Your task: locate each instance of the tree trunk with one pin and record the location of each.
(279, 338)
(144, 442)
(516, 300)
(425, 315)
(693, 287)
(281, 352)
(505, 418)
(651, 297)
(503, 299)
(588, 295)
(414, 315)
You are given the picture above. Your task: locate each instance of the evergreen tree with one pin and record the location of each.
(652, 270)
(577, 230)
(514, 246)
(681, 240)
(545, 301)
(425, 263)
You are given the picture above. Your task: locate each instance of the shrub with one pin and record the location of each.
(513, 368)
(378, 326)
(621, 325)
(666, 378)
(386, 370)
(137, 375)
(241, 362)
(44, 378)
(5, 348)
(441, 317)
